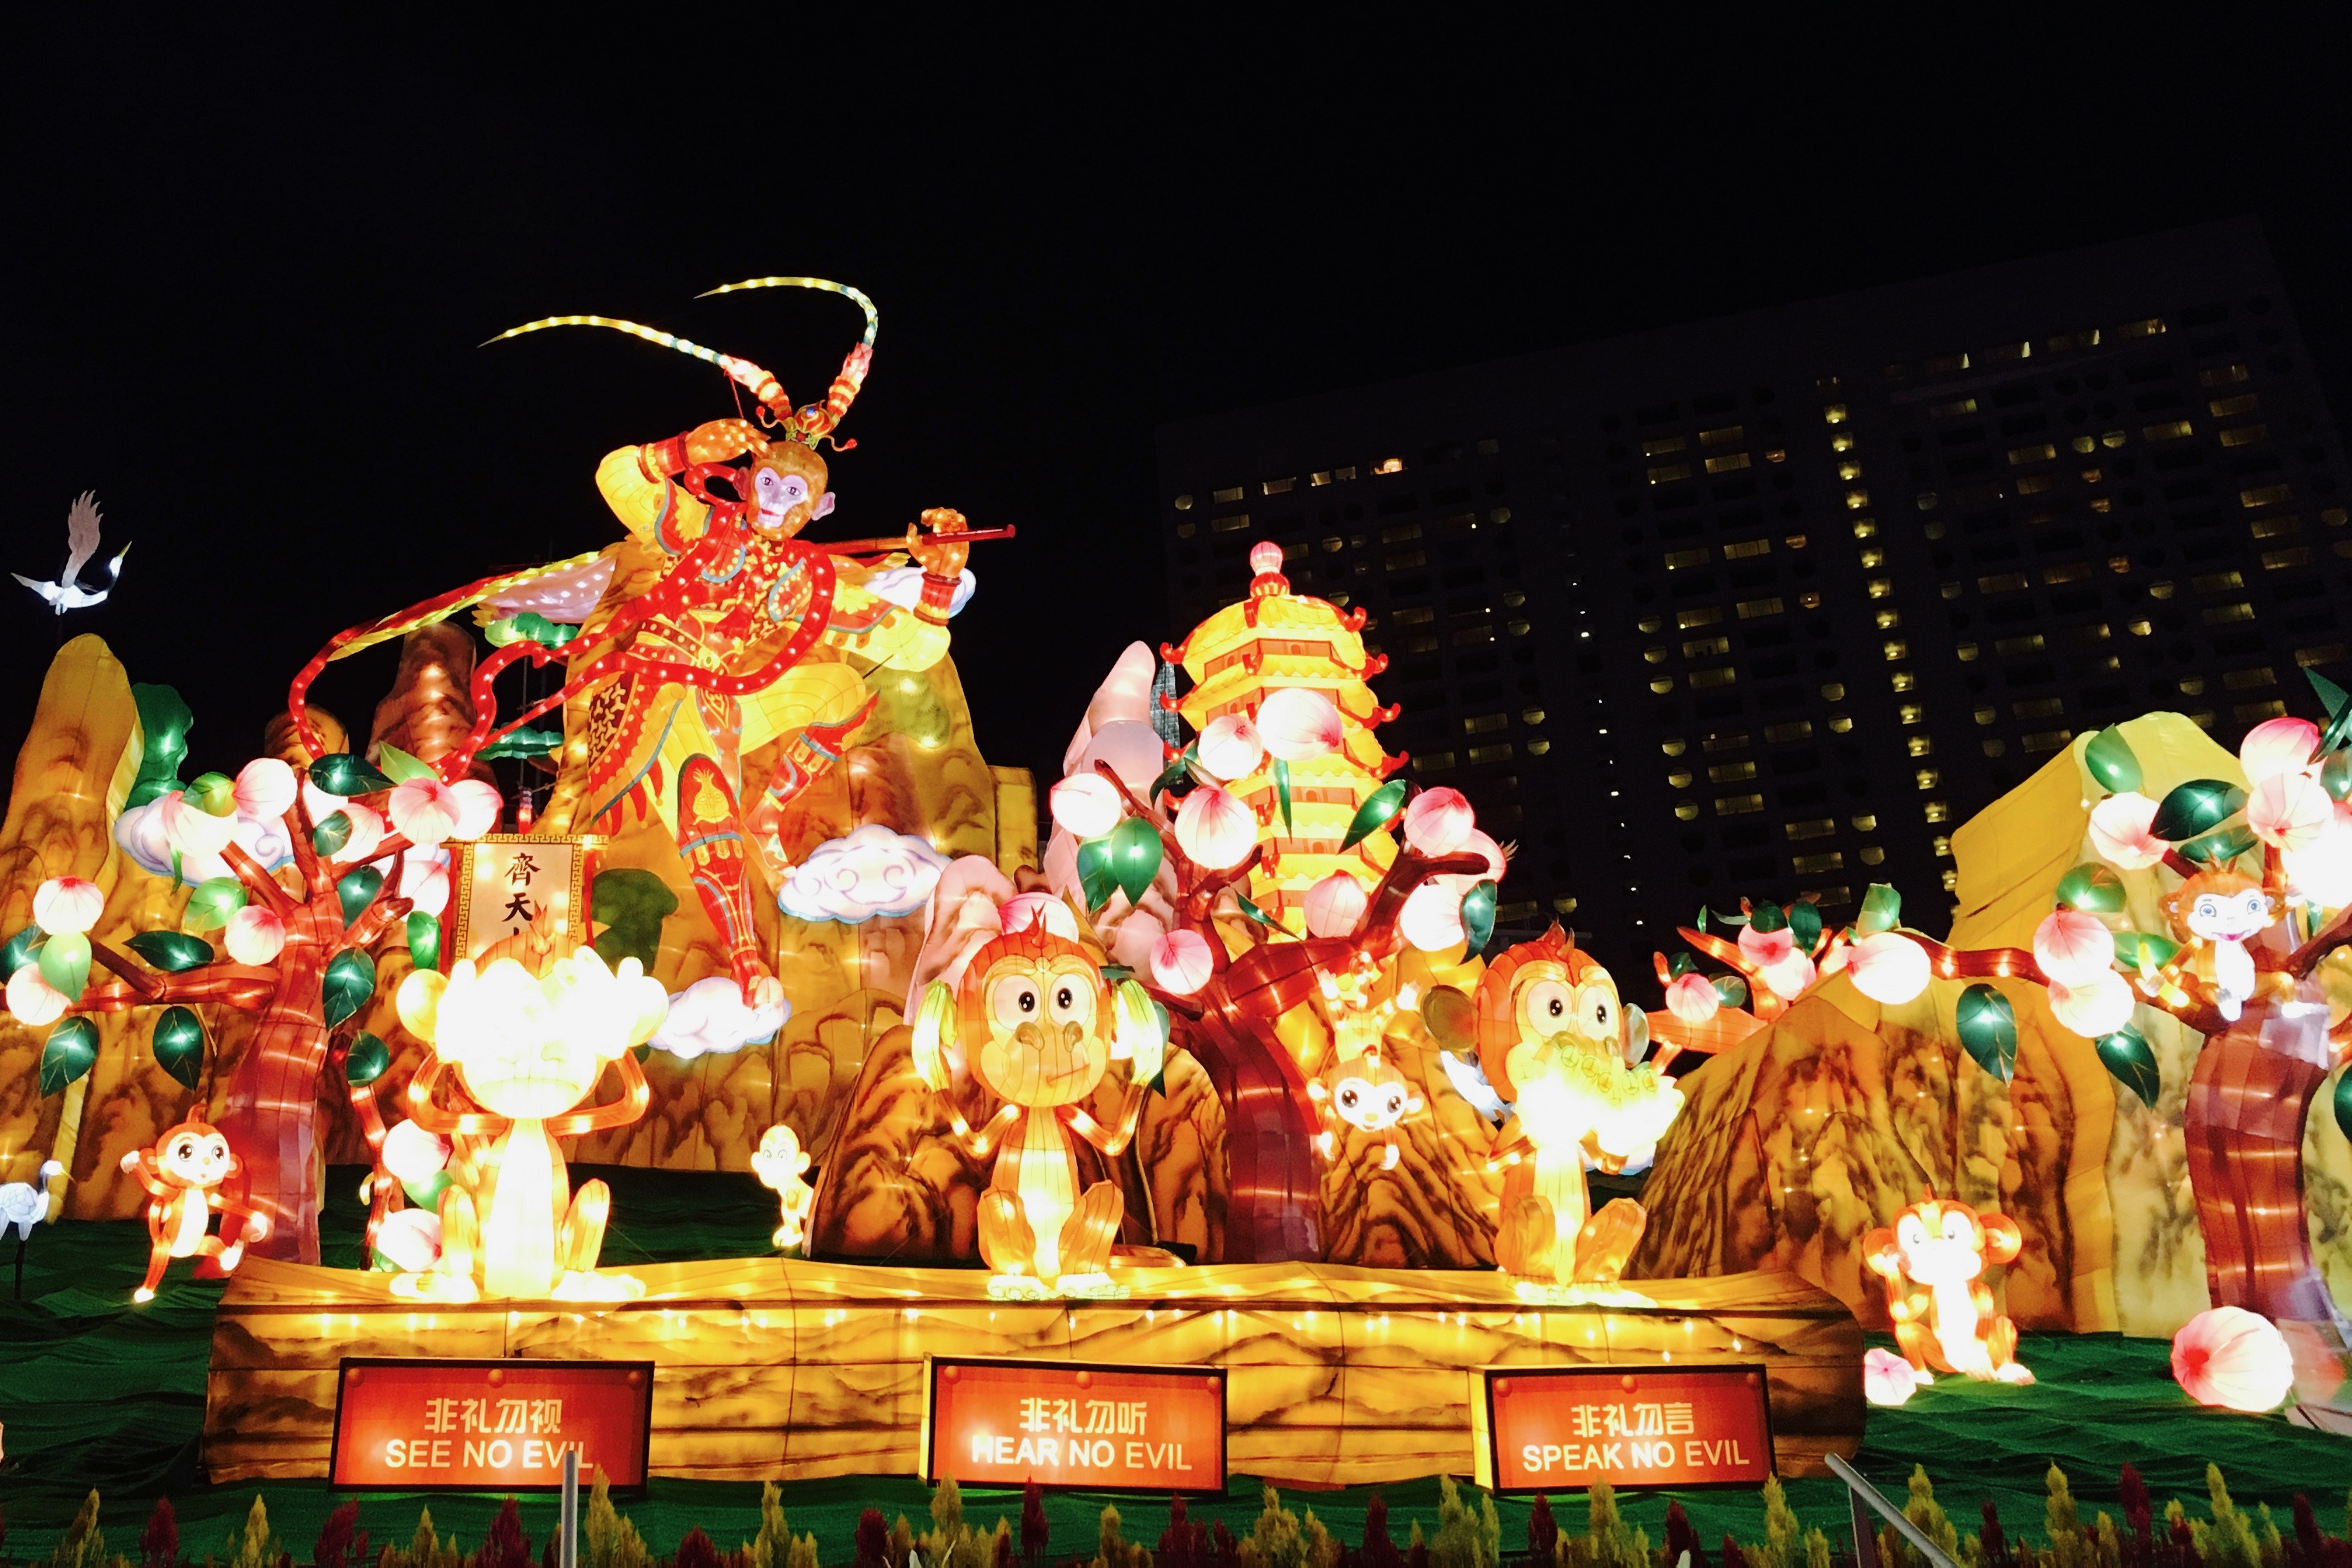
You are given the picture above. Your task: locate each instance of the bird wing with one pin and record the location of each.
(47, 590)
(81, 534)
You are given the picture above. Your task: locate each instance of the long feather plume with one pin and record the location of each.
(81, 534)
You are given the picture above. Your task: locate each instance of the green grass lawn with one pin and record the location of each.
(96, 1394)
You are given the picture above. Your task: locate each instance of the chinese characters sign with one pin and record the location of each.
(507, 882)
(1001, 1423)
(1545, 1428)
(501, 1424)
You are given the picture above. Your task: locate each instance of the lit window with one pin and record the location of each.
(2171, 430)
(1872, 855)
(2222, 376)
(2159, 591)
(1737, 805)
(1320, 477)
(2231, 407)
(2012, 647)
(1810, 828)
(1855, 500)
(1814, 865)
(1835, 692)
(1951, 880)
(1186, 530)
(1662, 686)
(1909, 713)
(1729, 435)
(1865, 823)
(1388, 465)
(1794, 730)
(1532, 716)
(1413, 616)
(1841, 441)
(1943, 844)
(1672, 747)
(1656, 655)
(1706, 647)
(1233, 494)
(1938, 812)
(1227, 525)
(2246, 435)
(1833, 414)
(1951, 590)
(1865, 527)
(1680, 779)
(1516, 628)
(1667, 472)
(1872, 560)
(2324, 653)
(1756, 608)
(1400, 533)
(1954, 409)
(1480, 755)
(2047, 739)
(1881, 587)
(1687, 619)
(1680, 559)
(1659, 449)
(1720, 678)
(1813, 601)
(1887, 619)
(2224, 614)
(1339, 475)
(2246, 680)
(1849, 472)
(1183, 502)
(2267, 495)
(1407, 561)
(2039, 707)
(2037, 484)
(1730, 461)
(2274, 560)
(1687, 812)
(2217, 581)
(1434, 762)
(2040, 452)
(1333, 545)
(1840, 724)
(1928, 778)
(2112, 439)
(1279, 487)
(1731, 772)
(1920, 745)
(1965, 652)
(1901, 681)
(1746, 549)
(1485, 723)
(2001, 583)
(1896, 649)
(2152, 328)
(2192, 685)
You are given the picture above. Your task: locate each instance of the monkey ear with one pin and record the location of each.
(823, 507)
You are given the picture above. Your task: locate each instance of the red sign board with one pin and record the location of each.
(1108, 1428)
(1546, 1428)
(502, 1425)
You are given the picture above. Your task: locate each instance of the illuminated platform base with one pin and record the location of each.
(774, 1368)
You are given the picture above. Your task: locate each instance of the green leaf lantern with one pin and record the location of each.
(330, 835)
(70, 1051)
(2197, 807)
(340, 773)
(180, 1044)
(2218, 847)
(1988, 1029)
(1254, 913)
(2092, 888)
(1178, 769)
(212, 793)
(2136, 950)
(1732, 991)
(1681, 964)
(2336, 775)
(21, 949)
(2126, 1055)
(171, 951)
(1764, 918)
(164, 721)
(2338, 729)
(1805, 923)
(425, 941)
(1479, 917)
(2343, 1104)
(349, 981)
(401, 767)
(213, 902)
(357, 891)
(2110, 759)
(1094, 878)
(1281, 793)
(366, 1061)
(1881, 910)
(1379, 810)
(528, 741)
(1135, 856)
(64, 963)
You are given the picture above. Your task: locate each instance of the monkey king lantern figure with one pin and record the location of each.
(748, 636)
(1034, 1022)
(1554, 1039)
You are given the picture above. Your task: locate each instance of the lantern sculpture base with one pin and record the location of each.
(778, 1368)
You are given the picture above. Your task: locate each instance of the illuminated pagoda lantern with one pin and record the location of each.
(1272, 641)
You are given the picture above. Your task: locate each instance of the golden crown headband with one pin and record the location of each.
(808, 424)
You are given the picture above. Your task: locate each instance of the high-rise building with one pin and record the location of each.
(1766, 605)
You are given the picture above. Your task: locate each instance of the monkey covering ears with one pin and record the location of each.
(2215, 913)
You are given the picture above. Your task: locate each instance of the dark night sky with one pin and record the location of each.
(249, 268)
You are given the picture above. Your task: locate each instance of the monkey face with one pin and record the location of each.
(1047, 1023)
(2229, 917)
(196, 1155)
(787, 490)
(1941, 1244)
(1565, 1024)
